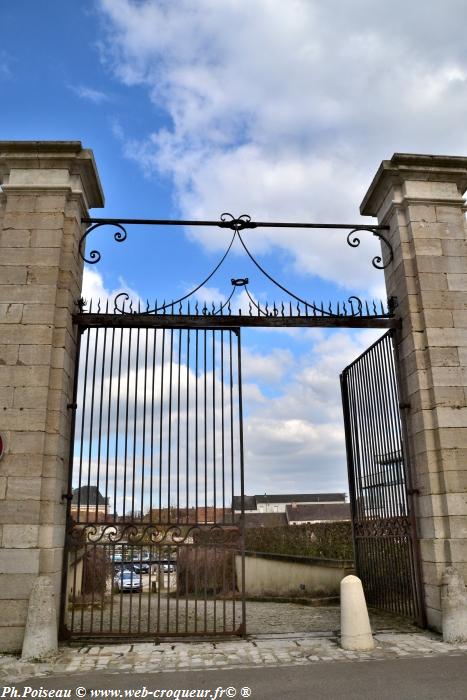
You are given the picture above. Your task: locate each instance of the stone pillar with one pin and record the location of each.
(46, 187)
(420, 198)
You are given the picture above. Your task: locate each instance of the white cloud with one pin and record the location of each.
(294, 436)
(284, 110)
(90, 94)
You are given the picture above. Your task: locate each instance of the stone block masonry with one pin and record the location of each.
(421, 199)
(46, 187)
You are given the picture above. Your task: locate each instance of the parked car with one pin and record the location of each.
(127, 580)
(168, 567)
(141, 567)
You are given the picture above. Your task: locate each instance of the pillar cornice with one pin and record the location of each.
(38, 167)
(410, 178)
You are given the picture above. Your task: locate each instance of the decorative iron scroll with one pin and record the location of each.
(235, 224)
(147, 534)
(383, 527)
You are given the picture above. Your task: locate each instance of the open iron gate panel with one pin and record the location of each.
(386, 553)
(154, 547)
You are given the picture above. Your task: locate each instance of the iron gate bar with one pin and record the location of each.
(95, 532)
(235, 224)
(383, 518)
(95, 320)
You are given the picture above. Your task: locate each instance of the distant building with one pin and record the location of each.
(190, 516)
(277, 503)
(384, 484)
(317, 513)
(88, 504)
(263, 519)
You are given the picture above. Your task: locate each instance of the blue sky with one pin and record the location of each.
(279, 110)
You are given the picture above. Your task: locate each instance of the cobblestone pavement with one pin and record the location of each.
(269, 617)
(252, 652)
(280, 634)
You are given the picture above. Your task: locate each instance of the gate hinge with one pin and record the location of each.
(74, 406)
(413, 492)
(67, 496)
(403, 405)
(393, 303)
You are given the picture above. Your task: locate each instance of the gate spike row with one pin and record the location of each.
(282, 308)
(314, 308)
(229, 308)
(274, 309)
(330, 308)
(163, 307)
(249, 308)
(298, 309)
(99, 305)
(351, 306)
(188, 308)
(290, 308)
(382, 308)
(213, 308)
(90, 306)
(266, 309)
(322, 309)
(196, 309)
(345, 308)
(338, 309)
(205, 309)
(374, 308)
(367, 309)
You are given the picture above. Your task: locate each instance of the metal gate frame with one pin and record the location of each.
(294, 311)
(201, 540)
(380, 481)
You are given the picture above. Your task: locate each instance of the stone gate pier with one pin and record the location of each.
(420, 198)
(46, 187)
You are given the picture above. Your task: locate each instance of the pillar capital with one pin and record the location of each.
(30, 167)
(413, 178)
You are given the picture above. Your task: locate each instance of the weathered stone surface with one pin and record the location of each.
(430, 265)
(454, 606)
(19, 561)
(40, 273)
(355, 623)
(40, 636)
(20, 536)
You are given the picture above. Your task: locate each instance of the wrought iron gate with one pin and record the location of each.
(154, 546)
(379, 483)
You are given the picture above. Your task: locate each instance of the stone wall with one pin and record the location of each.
(420, 198)
(280, 575)
(46, 188)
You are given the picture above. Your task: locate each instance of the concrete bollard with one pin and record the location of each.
(355, 623)
(40, 637)
(453, 606)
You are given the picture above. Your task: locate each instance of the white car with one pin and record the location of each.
(127, 580)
